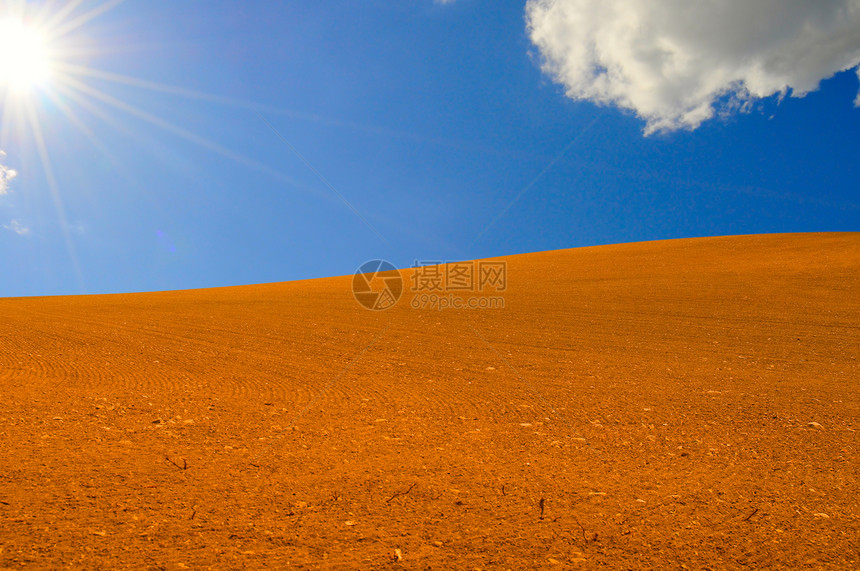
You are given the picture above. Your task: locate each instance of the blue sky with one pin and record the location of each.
(442, 125)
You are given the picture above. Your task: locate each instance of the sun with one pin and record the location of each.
(25, 60)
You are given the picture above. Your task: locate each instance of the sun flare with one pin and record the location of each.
(24, 56)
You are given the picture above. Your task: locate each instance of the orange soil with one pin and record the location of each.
(652, 401)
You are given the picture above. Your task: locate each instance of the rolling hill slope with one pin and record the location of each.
(651, 405)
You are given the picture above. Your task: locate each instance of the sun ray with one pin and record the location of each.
(36, 128)
(6, 122)
(150, 118)
(82, 126)
(115, 123)
(57, 17)
(84, 71)
(126, 80)
(15, 9)
(100, 112)
(63, 28)
(82, 101)
(185, 134)
(117, 165)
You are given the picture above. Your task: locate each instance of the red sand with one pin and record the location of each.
(679, 404)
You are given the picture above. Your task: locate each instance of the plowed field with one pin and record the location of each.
(664, 405)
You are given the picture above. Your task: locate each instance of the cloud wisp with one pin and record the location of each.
(677, 63)
(6, 175)
(17, 228)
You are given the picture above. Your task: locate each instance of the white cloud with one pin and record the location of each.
(443, 1)
(17, 228)
(6, 175)
(857, 101)
(676, 63)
